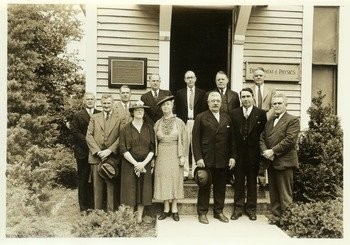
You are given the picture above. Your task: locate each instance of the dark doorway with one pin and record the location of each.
(200, 42)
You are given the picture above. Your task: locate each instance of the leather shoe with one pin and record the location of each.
(252, 216)
(176, 216)
(202, 218)
(164, 215)
(236, 215)
(221, 217)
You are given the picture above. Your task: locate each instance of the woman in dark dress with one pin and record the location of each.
(136, 142)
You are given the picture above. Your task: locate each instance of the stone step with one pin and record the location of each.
(191, 191)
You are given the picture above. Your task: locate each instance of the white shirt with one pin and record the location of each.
(277, 119)
(249, 110)
(190, 113)
(223, 90)
(154, 93)
(256, 92)
(90, 111)
(105, 113)
(125, 105)
(216, 115)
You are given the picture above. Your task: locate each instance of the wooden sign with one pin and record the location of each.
(275, 72)
(127, 71)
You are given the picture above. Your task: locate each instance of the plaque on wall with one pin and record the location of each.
(127, 71)
(275, 71)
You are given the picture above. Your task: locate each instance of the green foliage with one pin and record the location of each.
(314, 220)
(320, 176)
(98, 223)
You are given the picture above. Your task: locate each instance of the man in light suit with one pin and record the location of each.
(248, 122)
(102, 138)
(151, 98)
(262, 99)
(79, 126)
(122, 106)
(230, 99)
(188, 104)
(278, 143)
(212, 148)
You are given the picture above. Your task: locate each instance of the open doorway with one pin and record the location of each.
(200, 41)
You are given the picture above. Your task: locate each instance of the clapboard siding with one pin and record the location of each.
(126, 31)
(274, 35)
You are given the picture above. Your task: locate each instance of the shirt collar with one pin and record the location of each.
(250, 108)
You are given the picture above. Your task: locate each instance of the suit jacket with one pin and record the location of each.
(282, 139)
(79, 127)
(123, 112)
(212, 140)
(250, 145)
(232, 101)
(266, 100)
(154, 113)
(101, 135)
(181, 105)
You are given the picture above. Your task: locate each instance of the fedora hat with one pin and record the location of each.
(202, 176)
(169, 97)
(106, 169)
(137, 104)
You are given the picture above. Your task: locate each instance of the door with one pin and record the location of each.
(200, 41)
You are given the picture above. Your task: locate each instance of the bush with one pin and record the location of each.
(98, 223)
(320, 176)
(314, 220)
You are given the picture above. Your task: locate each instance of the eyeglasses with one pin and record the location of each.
(189, 77)
(277, 103)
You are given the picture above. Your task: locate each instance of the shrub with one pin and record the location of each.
(121, 223)
(314, 220)
(320, 176)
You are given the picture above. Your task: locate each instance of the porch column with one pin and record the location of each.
(91, 48)
(238, 37)
(164, 45)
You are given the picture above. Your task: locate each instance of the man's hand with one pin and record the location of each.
(200, 163)
(232, 163)
(104, 154)
(269, 154)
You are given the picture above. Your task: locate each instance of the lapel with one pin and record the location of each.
(85, 116)
(266, 92)
(229, 95)
(212, 120)
(99, 119)
(184, 96)
(241, 119)
(196, 94)
(112, 121)
(253, 117)
(279, 123)
(150, 99)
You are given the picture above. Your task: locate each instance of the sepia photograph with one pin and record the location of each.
(175, 121)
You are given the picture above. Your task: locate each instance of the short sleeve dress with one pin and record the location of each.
(171, 143)
(136, 190)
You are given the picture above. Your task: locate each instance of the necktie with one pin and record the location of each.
(246, 113)
(155, 95)
(107, 116)
(91, 112)
(259, 97)
(275, 120)
(191, 99)
(222, 92)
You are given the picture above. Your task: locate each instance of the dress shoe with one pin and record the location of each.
(202, 218)
(252, 216)
(236, 215)
(176, 216)
(164, 215)
(221, 217)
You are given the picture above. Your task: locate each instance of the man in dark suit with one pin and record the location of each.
(188, 104)
(230, 99)
(248, 122)
(102, 138)
(79, 126)
(278, 143)
(212, 148)
(151, 98)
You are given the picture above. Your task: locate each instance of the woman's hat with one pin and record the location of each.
(169, 97)
(106, 169)
(137, 104)
(202, 176)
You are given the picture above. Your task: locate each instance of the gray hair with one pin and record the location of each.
(280, 95)
(106, 96)
(89, 93)
(213, 94)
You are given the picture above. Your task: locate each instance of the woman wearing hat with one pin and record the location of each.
(137, 143)
(171, 151)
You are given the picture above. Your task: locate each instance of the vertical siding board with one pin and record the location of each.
(274, 35)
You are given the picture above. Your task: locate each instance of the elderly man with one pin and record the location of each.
(248, 122)
(188, 104)
(79, 126)
(122, 106)
(151, 98)
(278, 143)
(212, 148)
(102, 137)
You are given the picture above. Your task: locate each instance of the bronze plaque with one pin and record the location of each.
(127, 71)
(275, 71)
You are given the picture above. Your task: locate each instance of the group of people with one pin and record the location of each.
(129, 153)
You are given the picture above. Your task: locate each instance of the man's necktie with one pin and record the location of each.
(191, 98)
(222, 92)
(246, 113)
(155, 95)
(107, 116)
(259, 97)
(275, 120)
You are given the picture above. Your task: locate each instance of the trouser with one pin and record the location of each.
(219, 188)
(190, 163)
(281, 189)
(100, 186)
(245, 177)
(85, 191)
